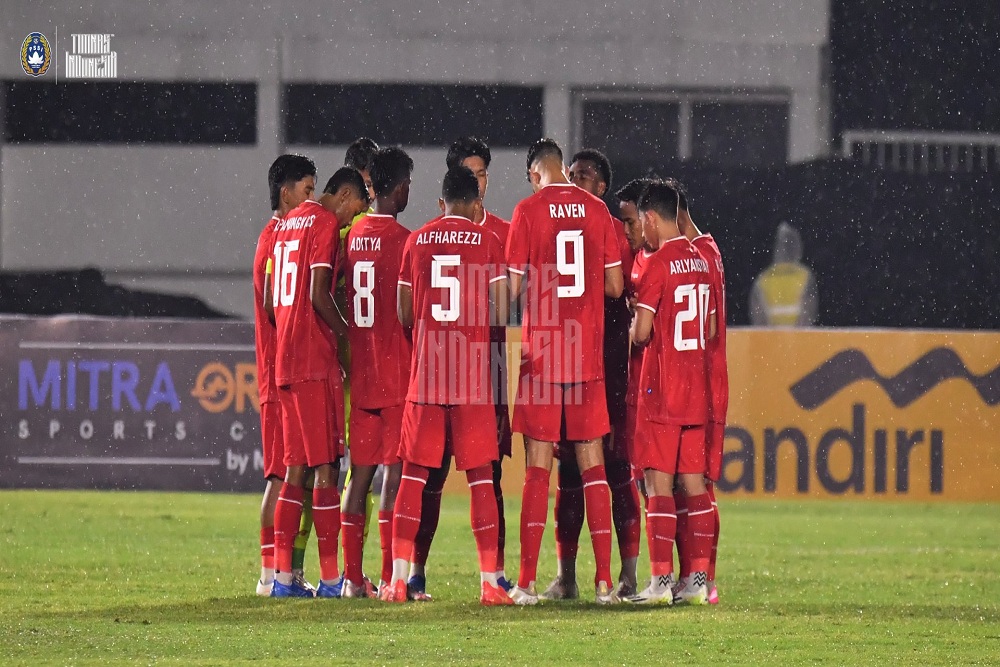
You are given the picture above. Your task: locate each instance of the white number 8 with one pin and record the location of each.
(564, 239)
(364, 299)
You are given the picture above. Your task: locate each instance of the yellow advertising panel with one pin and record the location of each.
(863, 413)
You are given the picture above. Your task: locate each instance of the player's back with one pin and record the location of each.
(450, 263)
(380, 347)
(264, 332)
(562, 239)
(717, 363)
(676, 287)
(306, 347)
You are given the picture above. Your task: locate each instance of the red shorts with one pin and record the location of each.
(669, 448)
(271, 440)
(715, 436)
(468, 432)
(375, 435)
(312, 419)
(542, 408)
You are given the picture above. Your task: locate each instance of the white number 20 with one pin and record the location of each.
(564, 240)
(697, 307)
(450, 283)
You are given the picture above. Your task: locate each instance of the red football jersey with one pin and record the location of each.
(380, 347)
(635, 353)
(498, 226)
(264, 332)
(450, 263)
(676, 287)
(561, 240)
(306, 347)
(617, 319)
(717, 364)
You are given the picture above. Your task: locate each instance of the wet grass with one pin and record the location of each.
(109, 578)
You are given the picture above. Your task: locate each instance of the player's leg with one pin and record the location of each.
(304, 530)
(661, 525)
(626, 517)
(406, 522)
(390, 488)
(430, 515)
(288, 510)
(353, 526)
(497, 477)
(700, 532)
(586, 424)
(485, 520)
(681, 545)
(267, 506)
(534, 510)
(326, 517)
(569, 516)
(713, 593)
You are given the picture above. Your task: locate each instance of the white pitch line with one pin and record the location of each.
(170, 347)
(116, 461)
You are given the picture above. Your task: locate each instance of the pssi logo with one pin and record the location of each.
(218, 387)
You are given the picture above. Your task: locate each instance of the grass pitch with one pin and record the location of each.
(109, 578)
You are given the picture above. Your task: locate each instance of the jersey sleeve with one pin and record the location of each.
(612, 249)
(324, 242)
(406, 264)
(495, 260)
(651, 287)
(517, 242)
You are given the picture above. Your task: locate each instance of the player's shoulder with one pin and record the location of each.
(268, 228)
(496, 220)
(706, 243)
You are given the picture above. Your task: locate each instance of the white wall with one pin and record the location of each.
(186, 219)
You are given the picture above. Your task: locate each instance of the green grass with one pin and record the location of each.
(104, 578)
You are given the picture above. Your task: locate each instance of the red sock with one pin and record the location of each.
(501, 522)
(286, 525)
(569, 511)
(661, 524)
(326, 521)
(429, 517)
(483, 508)
(625, 509)
(701, 531)
(267, 547)
(353, 526)
(598, 499)
(715, 539)
(407, 512)
(680, 534)
(385, 540)
(534, 507)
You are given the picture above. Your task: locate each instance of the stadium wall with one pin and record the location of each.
(183, 218)
(873, 414)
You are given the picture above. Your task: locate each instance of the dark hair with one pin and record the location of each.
(631, 191)
(682, 192)
(390, 167)
(284, 170)
(360, 153)
(465, 148)
(661, 197)
(599, 159)
(543, 148)
(350, 177)
(460, 184)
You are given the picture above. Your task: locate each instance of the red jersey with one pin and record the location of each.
(380, 347)
(449, 263)
(616, 325)
(635, 352)
(306, 347)
(562, 238)
(264, 332)
(718, 367)
(676, 287)
(498, 226)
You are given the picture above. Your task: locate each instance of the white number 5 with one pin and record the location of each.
(697, 307)
(450, 283)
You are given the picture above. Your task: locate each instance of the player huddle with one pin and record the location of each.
(622, 377)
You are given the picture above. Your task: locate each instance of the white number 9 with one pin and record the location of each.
(564, 239)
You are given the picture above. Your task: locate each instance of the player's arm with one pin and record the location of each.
(614, 281)
(404, 304)
(642, 326)
(650, 291)
(499, 301)
(321, 280)
(269, 291)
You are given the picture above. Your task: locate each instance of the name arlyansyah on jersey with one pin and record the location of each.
(298, 222)
(688, 266)
(366, 244)
(440, 236)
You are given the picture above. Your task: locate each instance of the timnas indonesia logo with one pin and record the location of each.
(105, 392)
(887, 447)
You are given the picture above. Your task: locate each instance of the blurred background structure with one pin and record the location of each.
(865, 125)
